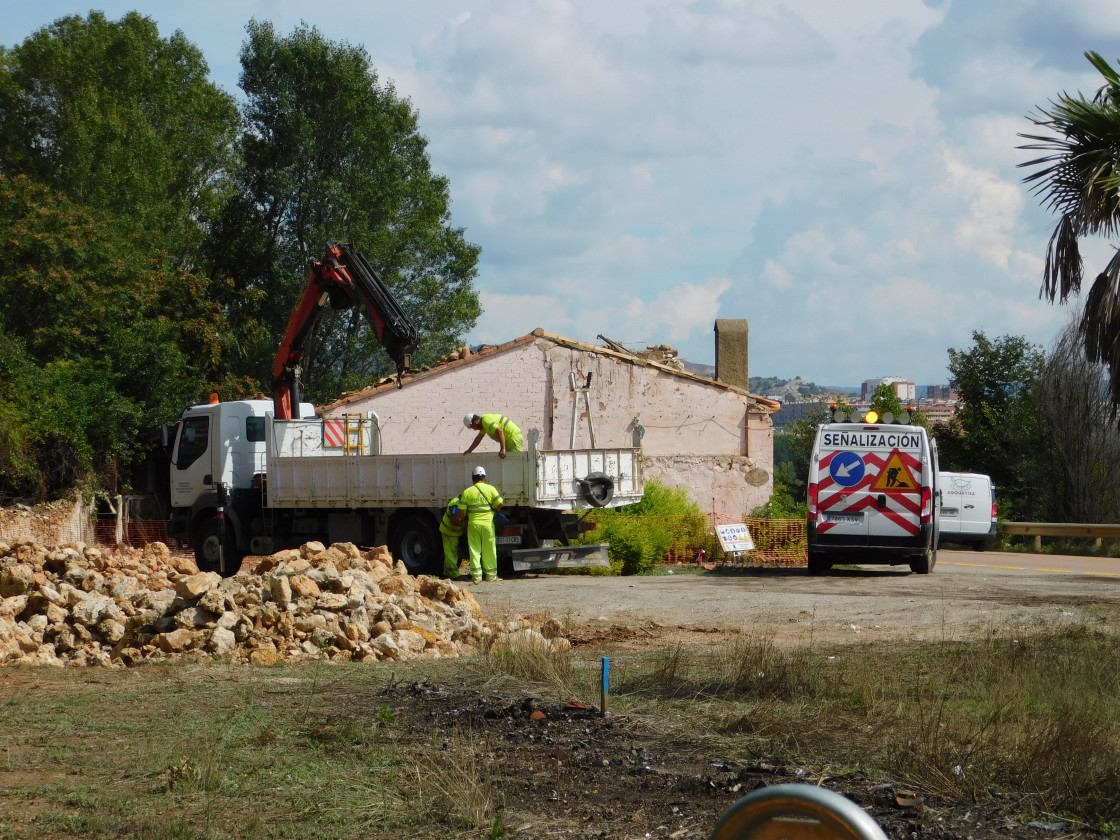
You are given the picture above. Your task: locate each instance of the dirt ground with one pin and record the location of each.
(789, 607)
(581, 775)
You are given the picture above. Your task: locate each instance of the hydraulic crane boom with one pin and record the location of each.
(344, 279)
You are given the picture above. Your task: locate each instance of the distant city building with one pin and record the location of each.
(903, 388)
(938, 411)
(939, 392)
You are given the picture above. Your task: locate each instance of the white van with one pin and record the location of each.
(872, 493)
(968, 509)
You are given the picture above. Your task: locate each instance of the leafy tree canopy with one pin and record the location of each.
(332, 154)
(118, 118)
(996, 429)
(102, 340)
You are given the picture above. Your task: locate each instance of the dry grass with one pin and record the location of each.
(189, 752)
(457, 782)
(1035, 714)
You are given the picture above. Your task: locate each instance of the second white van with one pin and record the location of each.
(968, 509)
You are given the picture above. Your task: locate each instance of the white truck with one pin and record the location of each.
(256, 476)
(243, 482)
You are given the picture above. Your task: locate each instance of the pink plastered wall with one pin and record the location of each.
(711, 439)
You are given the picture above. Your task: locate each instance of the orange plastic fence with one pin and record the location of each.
(778, 542)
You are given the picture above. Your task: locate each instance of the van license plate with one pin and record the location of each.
(844, 518)
(515, 540)
(950, 512)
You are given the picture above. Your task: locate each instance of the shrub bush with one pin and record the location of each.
(642, 535)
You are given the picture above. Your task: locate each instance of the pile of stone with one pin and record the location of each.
(79, 605)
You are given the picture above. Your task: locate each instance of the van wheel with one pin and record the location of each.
(923, 564)
(818, 565)
(415, 541)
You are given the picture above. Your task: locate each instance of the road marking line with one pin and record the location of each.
(1031, 569)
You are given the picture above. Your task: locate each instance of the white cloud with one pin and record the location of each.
(682, 308)
(640, 167)
(993, 209)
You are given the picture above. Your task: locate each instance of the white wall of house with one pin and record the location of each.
(714, 440)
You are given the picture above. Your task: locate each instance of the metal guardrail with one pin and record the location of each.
(796, 812)
(1038, 530)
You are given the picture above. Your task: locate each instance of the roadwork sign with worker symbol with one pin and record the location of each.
(895, 475)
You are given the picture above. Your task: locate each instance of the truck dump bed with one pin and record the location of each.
(310, 466)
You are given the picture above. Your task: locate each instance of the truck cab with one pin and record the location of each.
(216, 448)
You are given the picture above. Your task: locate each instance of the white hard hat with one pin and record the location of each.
(479, 472)
(468, 419)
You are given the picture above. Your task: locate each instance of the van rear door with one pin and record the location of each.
(870, 483)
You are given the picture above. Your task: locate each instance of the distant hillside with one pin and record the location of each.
(775, 386)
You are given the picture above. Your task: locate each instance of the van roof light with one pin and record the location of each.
(872, 416)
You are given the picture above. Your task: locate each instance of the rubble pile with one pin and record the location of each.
(79, 605)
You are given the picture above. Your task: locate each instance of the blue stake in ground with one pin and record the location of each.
(846, 468)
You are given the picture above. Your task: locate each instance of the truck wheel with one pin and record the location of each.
(818, 565)
(415, 540)
(923, 564)
(208, 543)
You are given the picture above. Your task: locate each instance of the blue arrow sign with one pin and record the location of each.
(846, 468)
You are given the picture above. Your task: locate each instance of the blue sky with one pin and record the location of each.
(843, 175)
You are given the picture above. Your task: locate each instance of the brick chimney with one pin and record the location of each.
(731, 352)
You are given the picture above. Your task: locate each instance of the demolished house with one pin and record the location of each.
(709, 436)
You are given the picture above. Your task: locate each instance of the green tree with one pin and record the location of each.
(1078, 178)
(996, 430)
(331, 154)
(102, 341)
(886, 400)
(1078, 476)
(119, 119)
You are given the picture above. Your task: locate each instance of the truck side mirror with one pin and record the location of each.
(167, 435)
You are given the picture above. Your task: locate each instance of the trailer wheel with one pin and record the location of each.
(415, 541)
(208, 545)
(597, 488)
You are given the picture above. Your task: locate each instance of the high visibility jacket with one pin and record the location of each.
(448, 526)
(490, 423)
(481, 500)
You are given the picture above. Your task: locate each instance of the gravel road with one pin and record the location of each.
(788, 605)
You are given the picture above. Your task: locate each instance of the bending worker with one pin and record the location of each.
(482, 501)
(451, 528)
(497, 427)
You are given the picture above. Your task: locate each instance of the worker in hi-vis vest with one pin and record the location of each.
(451, 528)
(482, 501)
(498, 427)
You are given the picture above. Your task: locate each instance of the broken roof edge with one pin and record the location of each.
(488, 351)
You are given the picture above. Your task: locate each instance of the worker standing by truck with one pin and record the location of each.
(451, 528)
(498, 427)
(482, 501)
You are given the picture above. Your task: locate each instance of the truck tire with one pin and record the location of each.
(923, 564)
(208, 541)
(415, 541)
(597, 489)
(818, 565)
